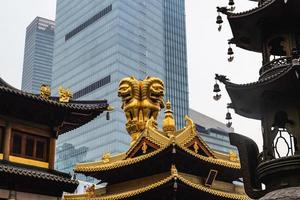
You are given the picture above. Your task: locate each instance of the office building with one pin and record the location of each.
(38, 54)
(97, 43)
(213, 132)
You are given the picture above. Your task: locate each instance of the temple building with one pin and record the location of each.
(29, 127)
(272, 29)
(160, 164)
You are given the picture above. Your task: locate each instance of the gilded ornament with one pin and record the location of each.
(174, 171)
(144, 147)
(106, 157)
(196, 147)
(141, 101)
(90, 191)
(169, 122)
(45, 91)
(233, 156)
(64, 95)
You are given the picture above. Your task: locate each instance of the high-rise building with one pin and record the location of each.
(97, 43)
(213, 132)
(38, 54)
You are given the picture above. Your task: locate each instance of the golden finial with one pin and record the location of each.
(196, 147)
(110, 108)
(233, 156)
(144, 147)
(64, 95)
(169, 122)
(106, 157)
(45, 91)
(90, 191)
(174, 170)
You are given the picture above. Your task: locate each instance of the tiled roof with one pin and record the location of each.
(50, 175)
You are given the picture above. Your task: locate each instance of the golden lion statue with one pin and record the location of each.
(141, 101)
(152, 97)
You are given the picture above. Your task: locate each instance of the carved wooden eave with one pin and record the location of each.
(151, 185)
(269, 15)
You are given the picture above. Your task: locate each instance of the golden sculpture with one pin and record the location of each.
(196, 147)
(45, 91)
(106, 157)
(169, 122)
(141, 101)
(144, 147)
(233, 156)
(64, 95)
(90, 191)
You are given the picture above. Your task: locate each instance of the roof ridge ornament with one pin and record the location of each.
(169, 125)
(45, 91)
(142, 100)
(64, 94)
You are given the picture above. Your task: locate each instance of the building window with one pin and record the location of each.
(1, 139)
(90, 21)
(92, 87)
(29, 146)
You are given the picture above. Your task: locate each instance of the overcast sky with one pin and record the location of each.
(206, 47)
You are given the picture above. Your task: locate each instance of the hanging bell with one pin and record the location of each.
(228, 116)
(231, 3)
(217, 88)
(219, 21)
(107, 116)
(175, 185)
(230, 53)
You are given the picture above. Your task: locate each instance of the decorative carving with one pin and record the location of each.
(141, 101)
(45, 91)
(64, 95)
(174, 170)
(233, 156)
(196, 147)
(90, 191)
(106, 157)
(144, 147)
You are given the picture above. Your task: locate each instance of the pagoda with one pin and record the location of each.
(160, 164)
(272, 29)
(29, 127)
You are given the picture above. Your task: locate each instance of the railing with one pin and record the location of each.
(284, 61)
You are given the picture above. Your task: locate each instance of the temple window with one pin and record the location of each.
(29, 146)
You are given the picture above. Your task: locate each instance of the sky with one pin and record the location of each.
(206, 52)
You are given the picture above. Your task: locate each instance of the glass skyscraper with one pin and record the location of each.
(99, 42)
(38, 54)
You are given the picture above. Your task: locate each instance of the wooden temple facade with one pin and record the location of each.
(29, 127)
(160, 164)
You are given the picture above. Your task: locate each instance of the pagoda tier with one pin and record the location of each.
(252, 28)
(62, 116)
(172, 184)
(186, 150)
(249, 100)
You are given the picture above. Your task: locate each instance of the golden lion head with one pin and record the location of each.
(128, 89)
(154, 90)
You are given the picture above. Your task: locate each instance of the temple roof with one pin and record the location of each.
(247, 99)
(163, 185)
(47, 182)
(271, 15)
(155, 149)
(32, 107)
